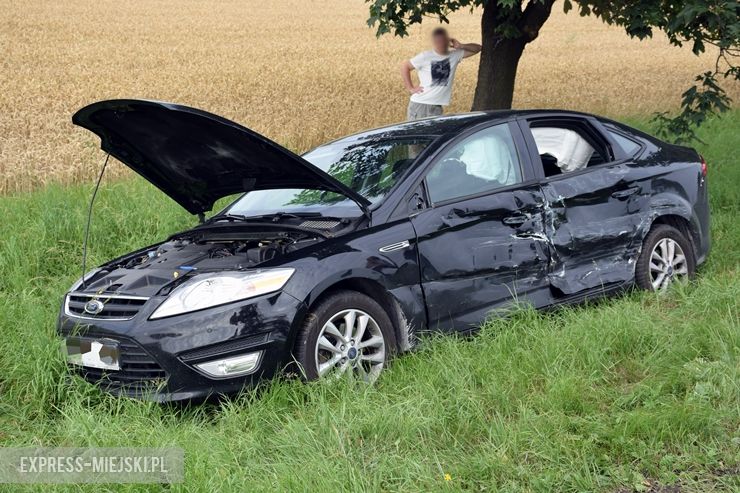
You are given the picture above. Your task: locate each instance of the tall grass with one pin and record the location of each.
(627, 394)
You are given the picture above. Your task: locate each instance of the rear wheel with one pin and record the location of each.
(346, 332)
(667, 256)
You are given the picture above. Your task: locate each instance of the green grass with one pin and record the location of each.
(624, 394)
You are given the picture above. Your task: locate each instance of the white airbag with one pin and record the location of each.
(570, 149)
(489, 158)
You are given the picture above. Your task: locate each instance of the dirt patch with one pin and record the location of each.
(714, 482)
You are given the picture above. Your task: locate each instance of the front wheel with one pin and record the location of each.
(346, 332)
(667, 256)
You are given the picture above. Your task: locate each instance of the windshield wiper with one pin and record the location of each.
(227, 217)
(250, 221)
(275, 216)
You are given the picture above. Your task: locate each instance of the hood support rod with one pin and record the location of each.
(89, 218)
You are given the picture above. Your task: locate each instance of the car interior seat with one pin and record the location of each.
(550, 165)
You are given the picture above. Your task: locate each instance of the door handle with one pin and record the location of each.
(515, 220)
(623, 194)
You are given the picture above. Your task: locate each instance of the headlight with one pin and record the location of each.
(207, 290)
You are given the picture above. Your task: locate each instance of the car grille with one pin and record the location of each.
(115, 307)
(139, 372)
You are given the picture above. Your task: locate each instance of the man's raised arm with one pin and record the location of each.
(470, 49)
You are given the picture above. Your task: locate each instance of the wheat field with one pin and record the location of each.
(299, 72)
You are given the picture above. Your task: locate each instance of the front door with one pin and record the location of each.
(481, 241)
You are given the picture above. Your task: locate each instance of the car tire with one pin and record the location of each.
(320, 350)
(667, 255)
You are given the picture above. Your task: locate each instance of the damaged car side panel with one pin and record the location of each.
(591, 220)
(597, 218)
(477, 254)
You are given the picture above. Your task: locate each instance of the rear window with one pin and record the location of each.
(567, 145)
(569, 148)
(629, 146)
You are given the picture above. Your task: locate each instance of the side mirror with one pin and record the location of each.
(416, 203)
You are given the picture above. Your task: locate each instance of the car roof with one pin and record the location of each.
(448, 124)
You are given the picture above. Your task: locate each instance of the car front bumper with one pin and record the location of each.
(158, 357)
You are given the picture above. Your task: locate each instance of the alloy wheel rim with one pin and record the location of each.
(350, 340)
(667, 263)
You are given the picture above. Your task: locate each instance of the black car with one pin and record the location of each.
(338, 259)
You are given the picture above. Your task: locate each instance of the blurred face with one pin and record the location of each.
(441, 43)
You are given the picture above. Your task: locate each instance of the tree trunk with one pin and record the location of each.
(500, 56)
(499, 60)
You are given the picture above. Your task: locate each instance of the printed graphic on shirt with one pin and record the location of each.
(440, 72)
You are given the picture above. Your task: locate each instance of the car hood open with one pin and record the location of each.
(196, 157)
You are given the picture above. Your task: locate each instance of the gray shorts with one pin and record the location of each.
(417, 111)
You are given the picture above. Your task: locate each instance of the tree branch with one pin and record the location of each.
(534, 17)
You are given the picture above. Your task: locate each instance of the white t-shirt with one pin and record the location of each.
(436, 73)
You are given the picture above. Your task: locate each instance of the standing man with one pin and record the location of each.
(436, 71)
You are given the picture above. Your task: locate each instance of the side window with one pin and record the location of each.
(567, 146)
(483, 162)
(629, 146)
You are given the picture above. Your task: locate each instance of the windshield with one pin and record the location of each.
(371, 168)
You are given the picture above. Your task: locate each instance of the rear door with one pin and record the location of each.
(594, 201)
(480, 241)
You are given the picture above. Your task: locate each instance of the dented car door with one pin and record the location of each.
(593, 216)
(481, 244)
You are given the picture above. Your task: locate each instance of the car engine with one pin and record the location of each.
(146, 272)
(216, 253)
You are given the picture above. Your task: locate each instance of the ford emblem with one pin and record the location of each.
(93, 307)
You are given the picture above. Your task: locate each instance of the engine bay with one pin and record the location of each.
(146, 272)
(216, 253)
